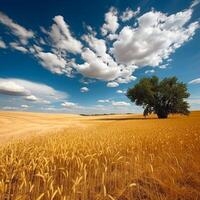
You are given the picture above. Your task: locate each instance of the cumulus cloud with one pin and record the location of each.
(114, 55)
(103, 101)
(112, 84)
(127, 78)
(112, 36)
(101, 65)
(95, 67)
(56, 64)
(129, 14)
(61, 43)
(17, 46)
(164, 66)
(195, 81)
(98, 63)
(97, 45)
(22, 33)
(24, 106)
(149, 71)
(111, 22)
(121, 92)
(2, 44)
(34, 49)
(31, 98)
(84, 89)
(69, 105)
(154, 39)
(90, 29)
(52, 62)
(120, 103)
(87, 81)
(62, 37)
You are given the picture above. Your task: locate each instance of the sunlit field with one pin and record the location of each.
(119, 157)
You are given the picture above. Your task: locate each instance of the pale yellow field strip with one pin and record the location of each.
(22, 124)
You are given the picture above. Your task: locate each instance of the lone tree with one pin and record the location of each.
(161, 97)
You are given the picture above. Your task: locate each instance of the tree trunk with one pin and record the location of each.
(162, 115)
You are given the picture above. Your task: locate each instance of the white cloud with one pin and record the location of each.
(19, 31)
(31, 98)
(111, 22)
(100, 65)
(154, 39)
(10, 108)
(39, 89)
(90, 29)
(2, 44)
(195, 3)
(32, 91)
(129, 13)
(84, 89)
(195, 81)
(9, 87)
(103, 101)
(35, 49)
(120, 103)
(56, 64)
(112, 84)
(24, 106)
(95, 67)
(150, 71)
(87, 81)
(127, 79)
(69, 105)
(98, 45)
(121, 92)
(113, 57)
(42, 41)
(112, 36)
(17, 46)
(164, 66)
(52, 62)
(62, 38)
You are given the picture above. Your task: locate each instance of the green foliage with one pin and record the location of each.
(160, 96)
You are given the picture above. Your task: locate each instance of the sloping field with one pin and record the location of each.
(20, 124)
(118, 157)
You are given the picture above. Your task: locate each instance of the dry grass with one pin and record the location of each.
(102, 158)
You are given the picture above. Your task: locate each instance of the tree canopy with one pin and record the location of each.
(162, 97)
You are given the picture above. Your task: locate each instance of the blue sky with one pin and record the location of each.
(81, 56)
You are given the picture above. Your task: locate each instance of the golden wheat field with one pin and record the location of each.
(119, 157)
